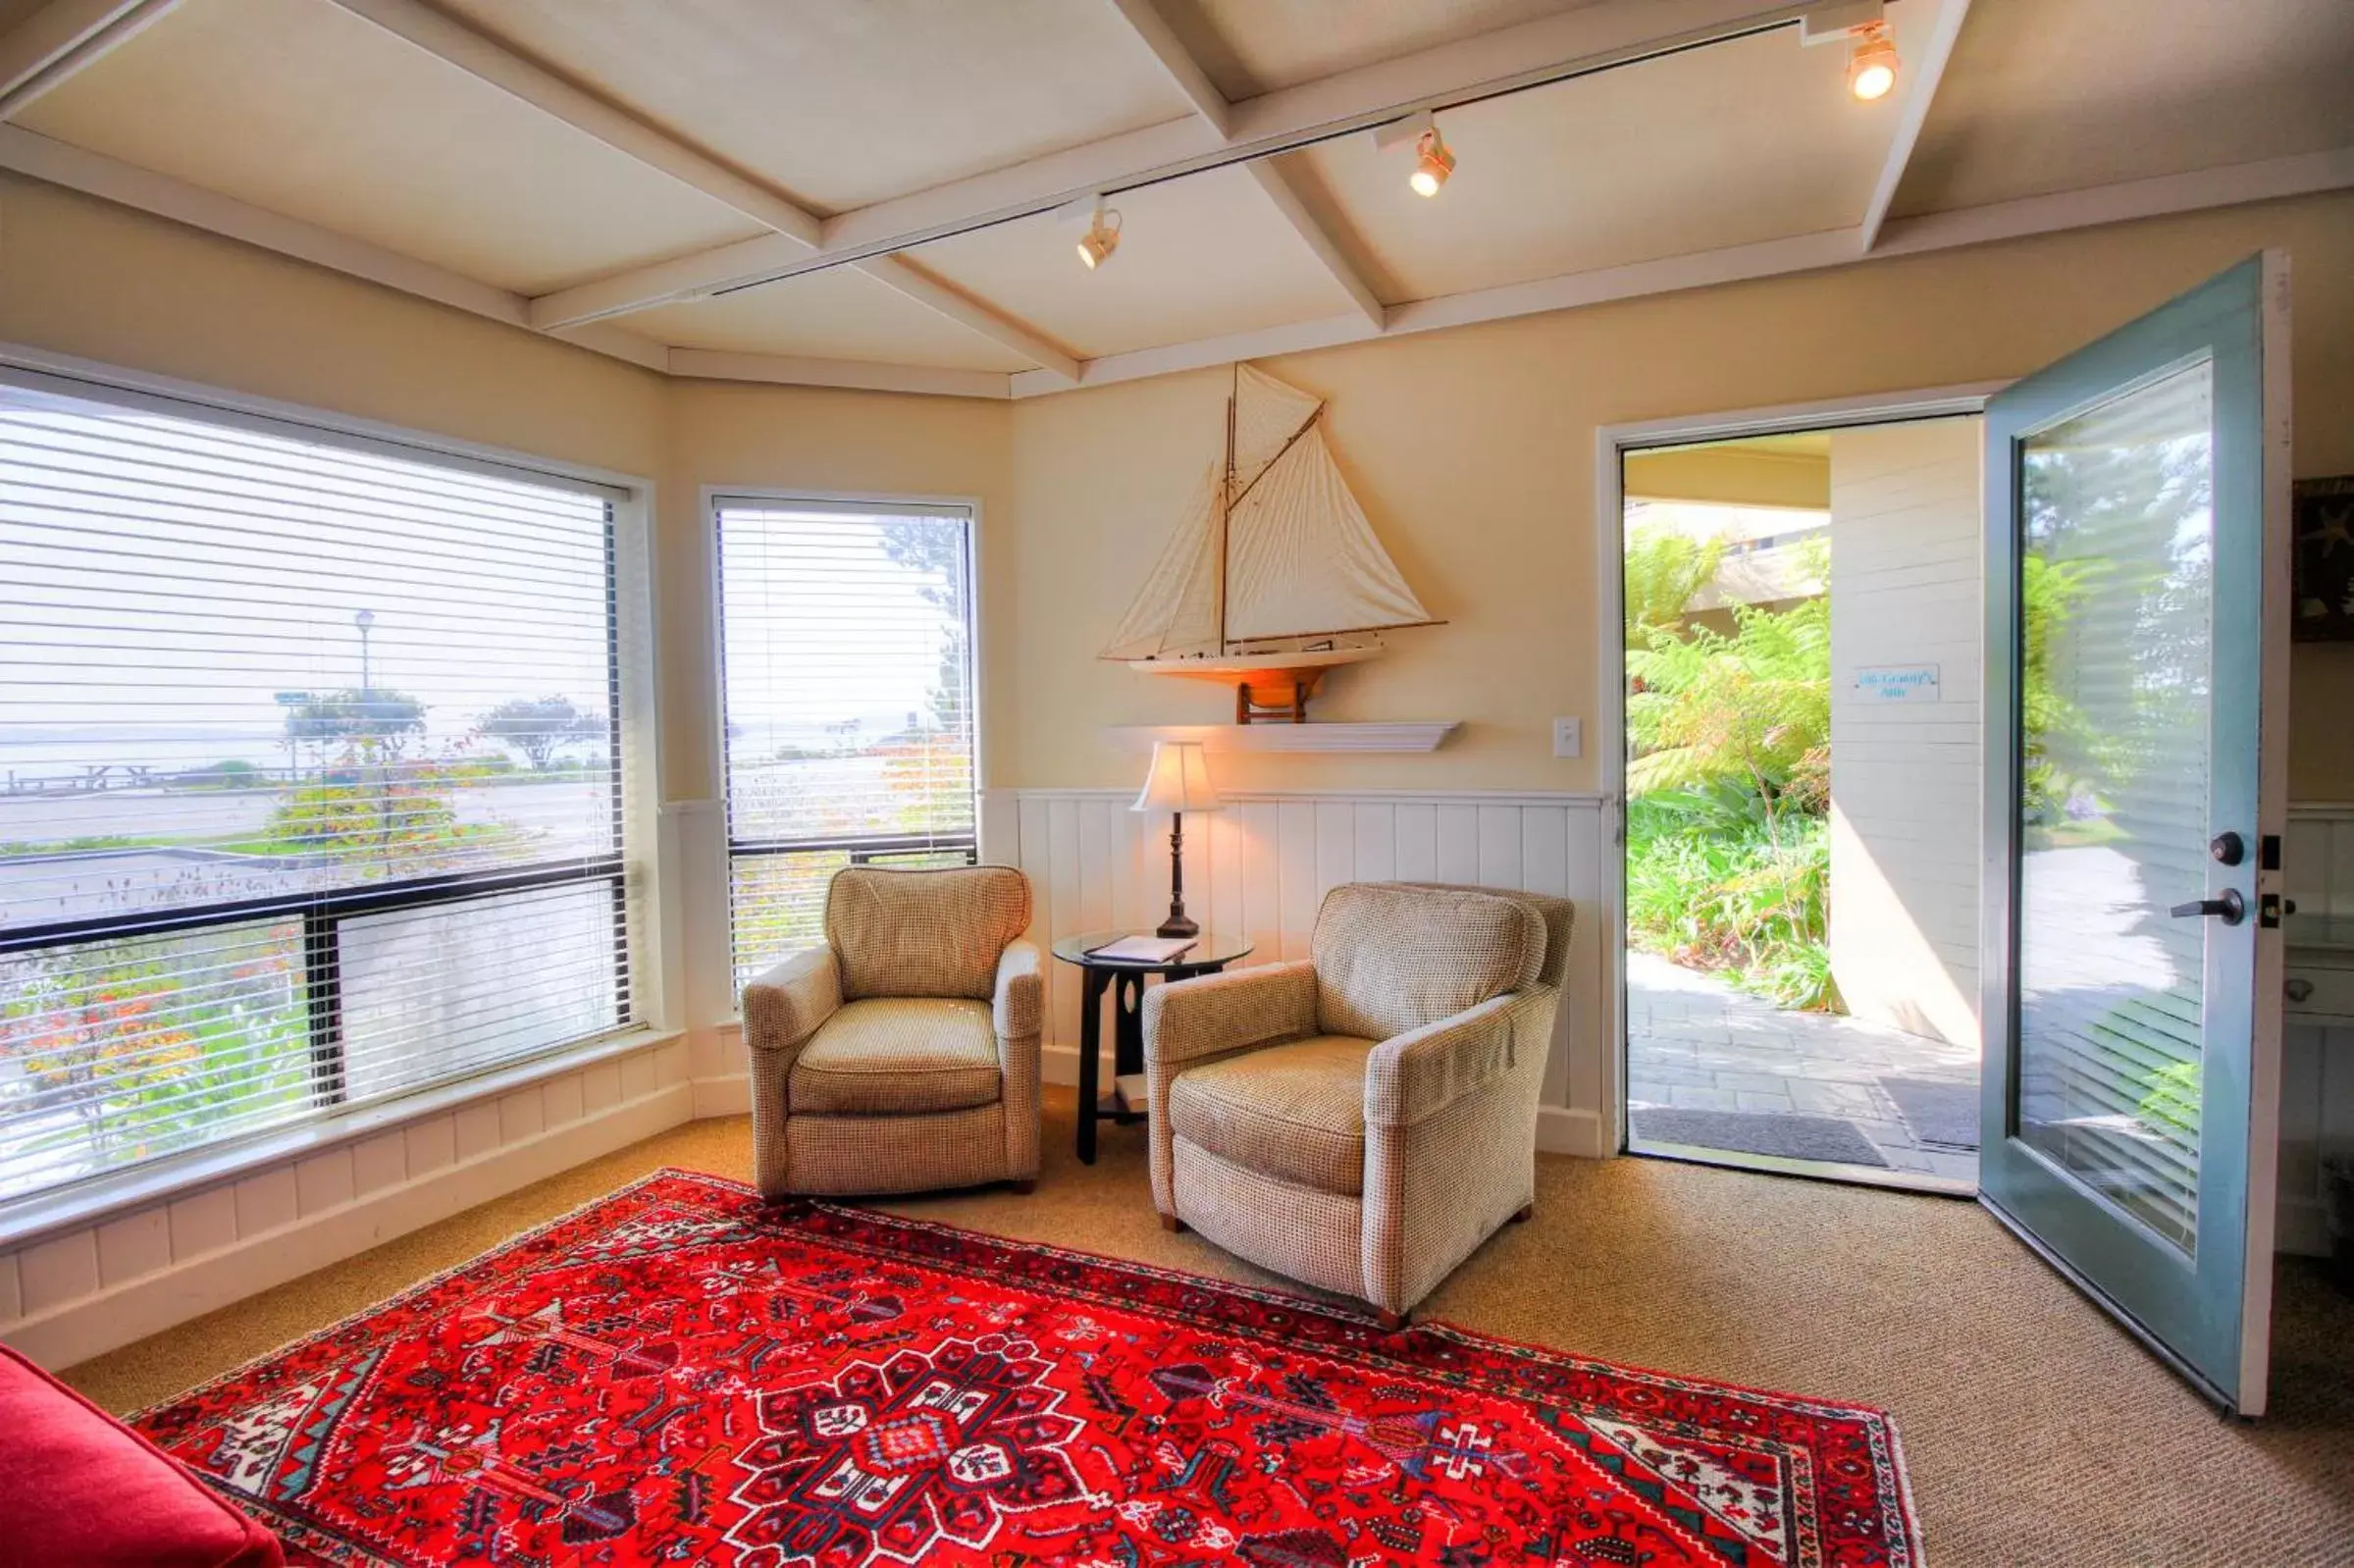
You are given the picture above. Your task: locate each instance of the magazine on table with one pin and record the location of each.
(1143, 949)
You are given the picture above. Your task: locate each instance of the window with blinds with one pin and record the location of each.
(847, 675)
(309, 788)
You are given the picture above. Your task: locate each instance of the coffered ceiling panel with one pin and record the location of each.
(839, 314)
(846, 102)
(1198, 257)
(1754, 139)
(2044, 97)
(1253, 46)
(303, 107)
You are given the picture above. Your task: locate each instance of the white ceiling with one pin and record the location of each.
(909, 118)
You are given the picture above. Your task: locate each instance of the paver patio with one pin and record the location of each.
(1695, 1042)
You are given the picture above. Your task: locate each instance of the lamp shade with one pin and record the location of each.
(1180, 780)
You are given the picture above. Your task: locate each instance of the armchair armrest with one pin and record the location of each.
(1019, 1005)
(1412, 1077)
(1212, 1014)
(784, 1005)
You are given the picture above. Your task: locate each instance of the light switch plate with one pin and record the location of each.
(1569, 737)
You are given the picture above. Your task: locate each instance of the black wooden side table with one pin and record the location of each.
(1125, 980)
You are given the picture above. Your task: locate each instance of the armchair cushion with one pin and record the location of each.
(898, 1056)
(1294, 1110)
(1391, 958)
(924, 933)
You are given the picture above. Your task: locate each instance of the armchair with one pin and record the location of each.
(903, 1055)
(1364, 1120)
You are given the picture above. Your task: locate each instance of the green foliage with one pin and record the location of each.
(231, 775)
(1665, 572)
(538, 727)
(1711, 887)
(2169, 1099)
(2061, 756)
(377, 714)
(1752, 709)
(373, 804)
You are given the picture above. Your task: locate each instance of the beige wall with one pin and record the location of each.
(1473, 453)
(1731, 475)
(1906, 575)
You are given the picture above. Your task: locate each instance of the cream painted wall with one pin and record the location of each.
(1473, 453)
(83, 277)
(1734, 475)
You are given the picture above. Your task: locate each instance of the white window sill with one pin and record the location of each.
(38, 1215)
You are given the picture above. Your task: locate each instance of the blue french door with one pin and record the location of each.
(2137, 498)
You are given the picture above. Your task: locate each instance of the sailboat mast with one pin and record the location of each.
(1226, 497)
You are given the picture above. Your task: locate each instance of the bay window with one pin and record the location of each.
(310, 773)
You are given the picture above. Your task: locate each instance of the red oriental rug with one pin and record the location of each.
(683, 1374)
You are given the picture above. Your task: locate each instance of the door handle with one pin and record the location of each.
(2231, 909)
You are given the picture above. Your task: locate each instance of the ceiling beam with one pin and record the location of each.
(2267, 180)
(858, 375)
(1152, 28)
(1911, 114)
(1592, 37)
(975, 315)
(64, 38)
(1280, 190)
(488, 59)
(794, 230)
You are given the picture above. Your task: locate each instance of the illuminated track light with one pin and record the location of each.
(1432, 162)
(1872, 66)
(1101, 239)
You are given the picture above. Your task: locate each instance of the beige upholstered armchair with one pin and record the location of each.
(903, 1055)
(1365, 1119)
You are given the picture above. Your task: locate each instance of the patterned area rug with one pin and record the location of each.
(680, 1373)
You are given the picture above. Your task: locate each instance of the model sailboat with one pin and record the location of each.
(1274, 575)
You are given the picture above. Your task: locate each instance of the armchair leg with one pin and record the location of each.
(1025, 1188)
(1392, 1322)
(1172, 1223)
(1523, 1214)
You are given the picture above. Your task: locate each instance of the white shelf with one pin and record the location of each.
(1409, 736)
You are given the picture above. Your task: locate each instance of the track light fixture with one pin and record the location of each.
(1872, 65)
(1100, 239)
(1432, 162)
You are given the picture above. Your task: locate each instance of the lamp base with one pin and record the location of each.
(1178, 926)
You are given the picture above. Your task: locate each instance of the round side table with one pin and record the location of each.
(1123, 978)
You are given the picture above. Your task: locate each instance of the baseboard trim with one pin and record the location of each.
(1562, 1130)
(92, 1324)
(730, 1095)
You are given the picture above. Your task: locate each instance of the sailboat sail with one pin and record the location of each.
(1301, 558)
(1267, 415)
(1279, 549)
(1176, 610)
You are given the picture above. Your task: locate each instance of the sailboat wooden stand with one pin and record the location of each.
(1273, 576)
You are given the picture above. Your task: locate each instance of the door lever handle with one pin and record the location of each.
(2231, 909)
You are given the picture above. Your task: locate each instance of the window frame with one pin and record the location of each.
(643, 1000)
(862, 849)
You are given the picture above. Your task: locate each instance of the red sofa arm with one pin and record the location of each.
(78, 1486)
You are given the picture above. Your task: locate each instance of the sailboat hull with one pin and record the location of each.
(1267, 686)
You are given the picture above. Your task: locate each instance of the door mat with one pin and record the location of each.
(1785, 1136)
(1942, 1115)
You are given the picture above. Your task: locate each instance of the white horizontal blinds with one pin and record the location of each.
(117, 1051)
(847, 648)
(255, 674)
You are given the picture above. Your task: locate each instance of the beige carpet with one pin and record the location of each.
(2035, 1431)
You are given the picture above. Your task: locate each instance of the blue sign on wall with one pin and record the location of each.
(1897, 683)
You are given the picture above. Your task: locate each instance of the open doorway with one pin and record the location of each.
(1803, 620)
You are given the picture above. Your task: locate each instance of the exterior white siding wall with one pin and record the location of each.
(1905, 572)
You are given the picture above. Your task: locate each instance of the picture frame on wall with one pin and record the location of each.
(2321, 573)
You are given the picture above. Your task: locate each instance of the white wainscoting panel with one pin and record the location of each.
(2317, 1057)
(80, 1291)
(1263, 866)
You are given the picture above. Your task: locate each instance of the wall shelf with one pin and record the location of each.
(1405, 736)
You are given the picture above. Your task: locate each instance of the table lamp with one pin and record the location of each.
(1179, 782)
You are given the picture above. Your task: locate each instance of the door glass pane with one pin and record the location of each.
(2116, 583)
